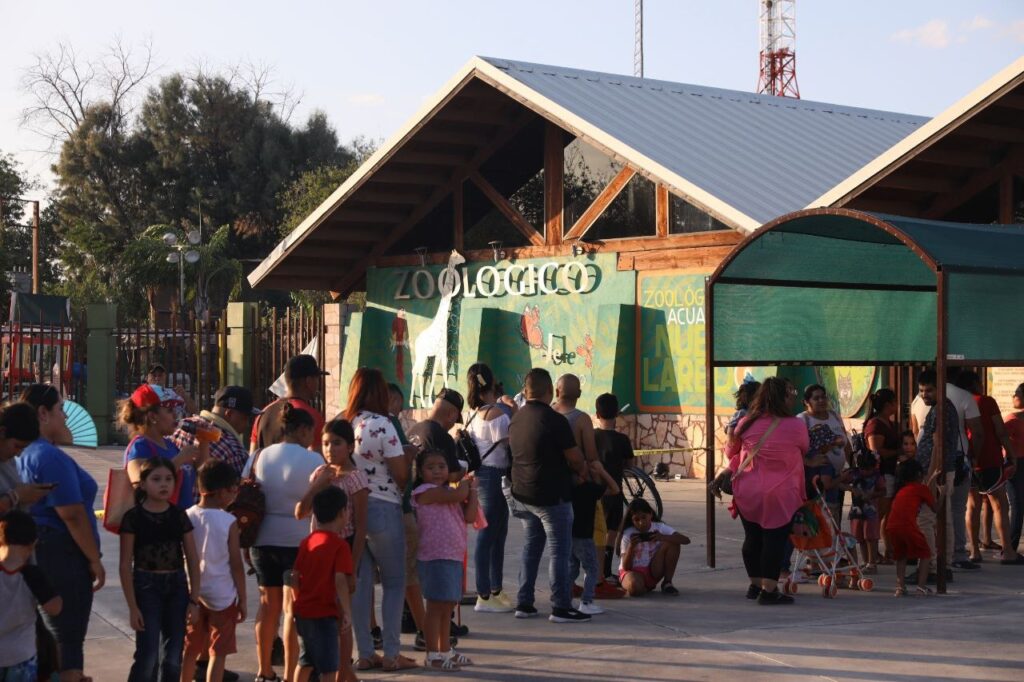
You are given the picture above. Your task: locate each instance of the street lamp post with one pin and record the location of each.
(181, 254)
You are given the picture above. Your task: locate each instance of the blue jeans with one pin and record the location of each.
(584, 554)
(489, 555)
(959, 503)
(385, 548)
(541, 524)
(67, 570)
(163, 601)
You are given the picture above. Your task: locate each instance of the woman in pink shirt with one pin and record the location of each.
(766, 457)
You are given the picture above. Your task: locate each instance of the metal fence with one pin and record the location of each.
(32, 353)
(279, 336)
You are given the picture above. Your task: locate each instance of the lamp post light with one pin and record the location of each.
(182, 253)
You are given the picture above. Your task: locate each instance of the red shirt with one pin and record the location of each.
(907, 503)
(1015, 429)
(268, 428)
(321, 556)
(992, 453)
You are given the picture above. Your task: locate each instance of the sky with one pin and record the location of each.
(370, 65)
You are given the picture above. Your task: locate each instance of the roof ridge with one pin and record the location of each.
(695, 90)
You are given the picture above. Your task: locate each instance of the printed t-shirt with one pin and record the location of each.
(645, 551)
(538, 439)
(351, 483)
(926, 440)
(211, 529)
(992, 450)
(268, 427)
(907, 503)
(615, 452)
(143, 448)
(43, 462)
(584, 506)
(377, 442)
(891, 435)
(442, 528)
(963, 404)
(837, 454)
(158, 537)
(20, 591)
(283, 472)
(321, 556)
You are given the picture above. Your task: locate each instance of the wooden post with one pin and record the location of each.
(554, 152)
(35, 247)
(661, 210)
(709, 417)
(939, 438)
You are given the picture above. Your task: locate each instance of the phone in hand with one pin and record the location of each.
(645, 537)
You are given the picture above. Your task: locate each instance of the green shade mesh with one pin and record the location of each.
(986, 320)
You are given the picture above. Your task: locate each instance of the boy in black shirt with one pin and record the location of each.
(616, 454)
(584, 504)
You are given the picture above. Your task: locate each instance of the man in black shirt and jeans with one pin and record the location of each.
(544, 455)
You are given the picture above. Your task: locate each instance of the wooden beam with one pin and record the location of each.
(991, 131)
(554, 190)
(491, 117)
(458, 214)
(332, 233)
(1010, 102)
(866, 203)
(411, 177)
(661, 207)
(453, 137)
(917, 183)
(1006, 199)
(289, 283)
(950, 157)
(384, 215)
(345, 283)
(673, 259)
(431, 158)
(601, 202)
(370, 196)
(507, 209)
(945, 203)
(331, 255)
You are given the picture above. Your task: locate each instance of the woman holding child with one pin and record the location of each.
(766, 459)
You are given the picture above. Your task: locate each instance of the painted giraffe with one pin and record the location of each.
(432, 342)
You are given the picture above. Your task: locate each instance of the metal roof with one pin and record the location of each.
(760, 154)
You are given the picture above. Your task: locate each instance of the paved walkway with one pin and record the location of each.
(709, 632)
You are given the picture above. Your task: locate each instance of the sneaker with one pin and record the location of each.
(965, 565)
(753, 592)
(503, 599)
(526, 611)
(491, 605)
(589, 608)
(771, 598)
(568, 616)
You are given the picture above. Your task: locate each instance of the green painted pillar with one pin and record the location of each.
(101, 322)
(241, 320)
(351, 347)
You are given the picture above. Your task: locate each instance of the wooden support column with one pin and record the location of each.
(506, 209)
(459, 215)
(661, 210)
(1006, 199)
(601, 202)
(554, 160)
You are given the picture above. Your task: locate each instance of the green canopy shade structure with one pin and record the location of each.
(843, 287)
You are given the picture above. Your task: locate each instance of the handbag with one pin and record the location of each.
(118, 498)
(249, 506)
(723, 482)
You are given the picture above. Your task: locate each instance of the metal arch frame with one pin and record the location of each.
(941, 290)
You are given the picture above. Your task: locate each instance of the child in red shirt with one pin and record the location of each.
(320, 579)
(905, 536)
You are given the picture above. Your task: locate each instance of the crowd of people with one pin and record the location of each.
(895, 485)
(335, 516)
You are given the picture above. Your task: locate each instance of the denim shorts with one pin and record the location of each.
(26, 671)
(440, 580)
(318, 644)
(271, 563)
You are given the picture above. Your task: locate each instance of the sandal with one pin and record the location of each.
(900, 591)
(400, 662)
(923, 591)
(370, 663)
(992, 545)
(669, 589)
(459, 659)
(1016, 561)
(975, 559)
(446, 664)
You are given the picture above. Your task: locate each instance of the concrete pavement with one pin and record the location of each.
(708, 632)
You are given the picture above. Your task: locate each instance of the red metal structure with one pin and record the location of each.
(778, 49)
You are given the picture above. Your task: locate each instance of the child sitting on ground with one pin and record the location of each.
(584, 552)
(649, 549)
(442, 513)
(320, 581)
(22, 587)
(222, 594)
(867, 487)
(907, 540)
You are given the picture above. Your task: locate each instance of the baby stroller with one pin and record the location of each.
(820, 543)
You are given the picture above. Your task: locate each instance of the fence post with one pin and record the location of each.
(101, 346)
(240, 347)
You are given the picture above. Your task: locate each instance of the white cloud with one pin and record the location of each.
(366, 99)
(934, 35)
(978, 23)
(1015, 31)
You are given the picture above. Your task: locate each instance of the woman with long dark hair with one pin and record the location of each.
(882, 436)
(766, 458)
(68, 548)
(818, 412)
(488, 426)
(380, 455)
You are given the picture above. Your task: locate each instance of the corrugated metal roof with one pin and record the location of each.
(761, 154)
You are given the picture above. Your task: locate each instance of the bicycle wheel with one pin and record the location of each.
(636, 483)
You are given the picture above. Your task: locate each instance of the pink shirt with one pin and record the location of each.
(351, 482)
(771, 490)
(442, 528)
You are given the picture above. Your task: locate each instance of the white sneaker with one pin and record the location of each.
(491, 605)
(503, 599)
(590, 608)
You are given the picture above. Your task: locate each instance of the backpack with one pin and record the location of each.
(249, 507)
(859, 444)
(467, 449)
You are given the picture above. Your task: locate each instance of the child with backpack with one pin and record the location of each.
(904, 534)
(222, 597)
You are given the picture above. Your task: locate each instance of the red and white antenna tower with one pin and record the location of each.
(778, 49)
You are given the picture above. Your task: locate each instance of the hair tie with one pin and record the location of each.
(481, 381)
